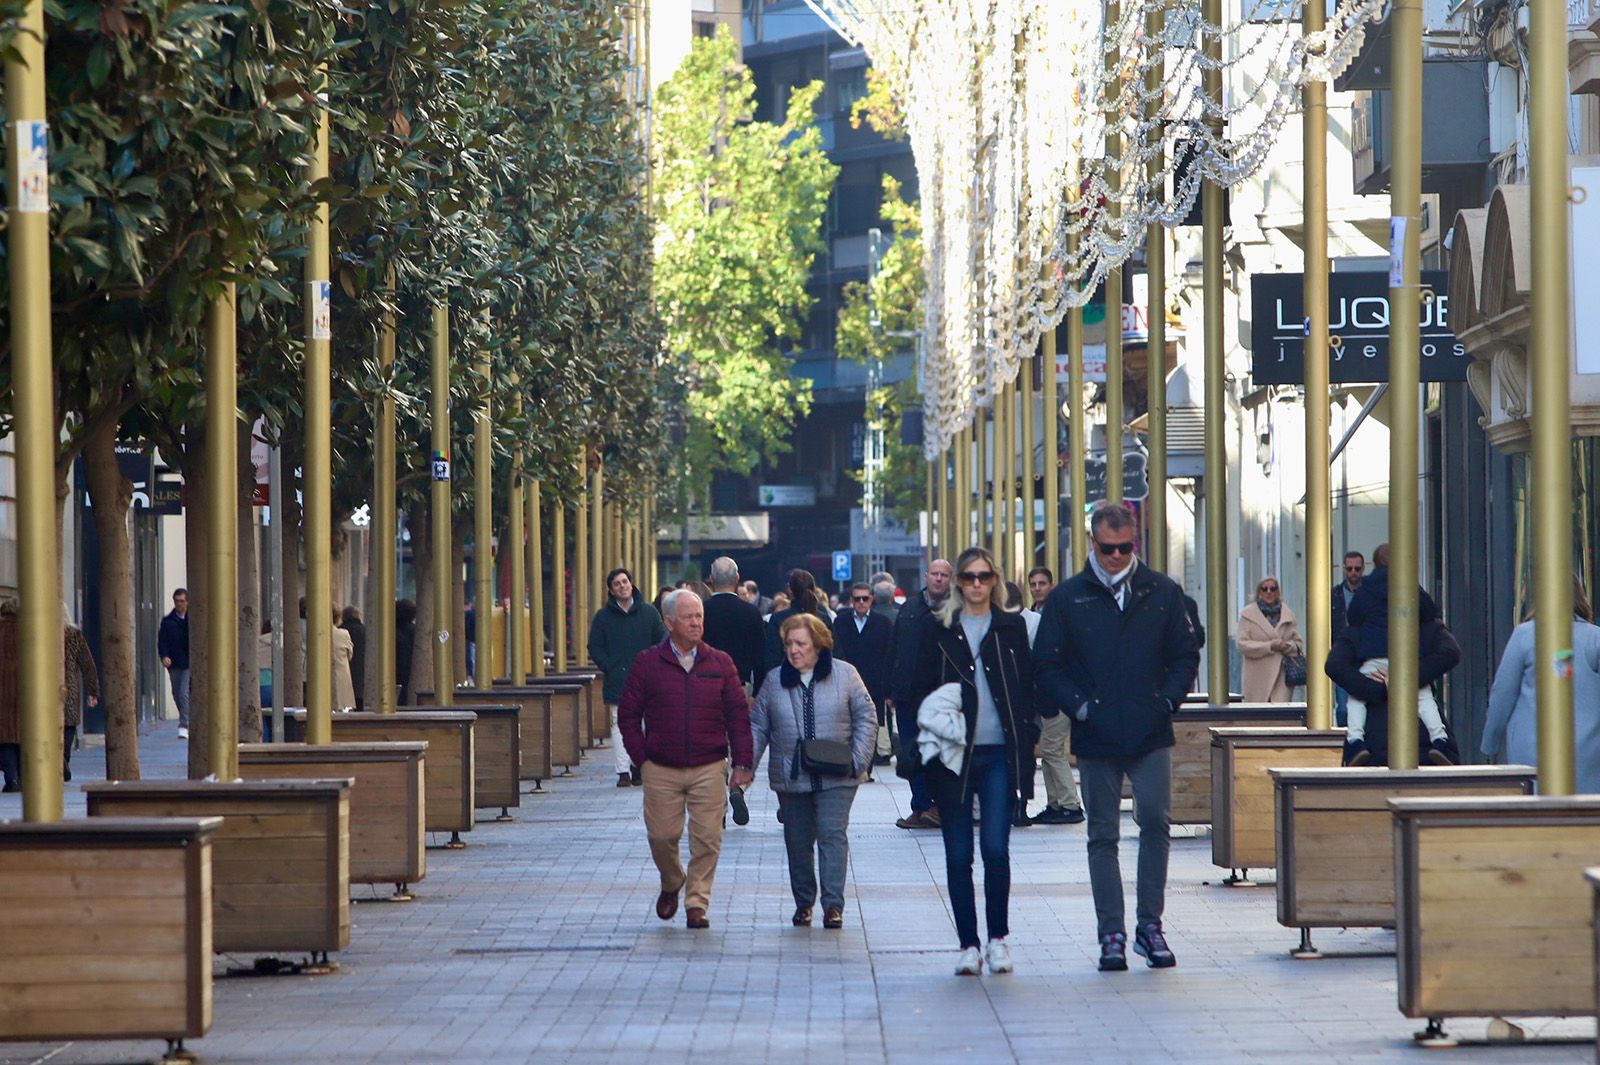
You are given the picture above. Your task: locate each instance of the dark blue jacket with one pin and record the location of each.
(617, 638)
(735, 626)
(868, 650)
(173, 639)
(1369, 609)
(1131, 667)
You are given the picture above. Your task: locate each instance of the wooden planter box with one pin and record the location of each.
(449, 770)
(599, 723)
(1335, 835)
(280, 871)
(497, 748)
(105, 931)
(1191, 754)
(533, 725)
(387, 837)
(566, 722)
(1493, 916)
(1243, 833)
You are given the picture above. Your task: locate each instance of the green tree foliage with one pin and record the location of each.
(738, 208)
(874, 321)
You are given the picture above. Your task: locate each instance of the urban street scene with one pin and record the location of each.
(800, 530)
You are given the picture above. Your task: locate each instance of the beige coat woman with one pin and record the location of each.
(1260, 644)
(344, 689)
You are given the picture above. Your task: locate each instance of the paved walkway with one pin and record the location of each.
(538, 944)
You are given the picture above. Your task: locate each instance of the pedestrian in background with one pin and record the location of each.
(82, 681)
(1355, 565)
(682, 712)
(1116, 651)
(908, 624)
(733, 624)
(1268, 639)
(865, 639)
(883, 600)
(10, 698)
(1369, 624)
(1437, 654)
(625, 626)
(974, 656)
(405, 637)
(351, 622)
(751, 591)
(814, 697)
(172, 643)
(804, 598)
(1062, 804)
(1040, 583)
(344, 652)
(264, 660)
(1511, 731)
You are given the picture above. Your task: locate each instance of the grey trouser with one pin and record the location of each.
(180, 693)
(816, 826)
(1151, 778)
(1060, 790)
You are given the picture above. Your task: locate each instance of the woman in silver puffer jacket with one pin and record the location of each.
(810, 696)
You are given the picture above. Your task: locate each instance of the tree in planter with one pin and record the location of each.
(738, 210)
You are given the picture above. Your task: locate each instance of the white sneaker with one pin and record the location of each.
(970, 963)
(998, 956)
(183, 733)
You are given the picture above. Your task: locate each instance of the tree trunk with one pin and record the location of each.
(459, 528)
(249, 597)
(110, 495)
(294, 659)
(422, 561)
(196, 484)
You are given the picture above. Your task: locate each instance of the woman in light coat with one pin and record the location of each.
(811, 696)
(344, 652)
(1268, 633)
(1511, 732)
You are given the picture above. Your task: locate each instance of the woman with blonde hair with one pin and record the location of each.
(1269, 642)
(816, 716)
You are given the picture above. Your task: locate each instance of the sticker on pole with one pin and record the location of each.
(321, 309)
(31, 142)
(444, 636)
(1397, 252)
(441, 466)
(1561, 664)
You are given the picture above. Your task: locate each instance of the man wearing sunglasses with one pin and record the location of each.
(1355, 566)
(863, 637)
(1116, 651)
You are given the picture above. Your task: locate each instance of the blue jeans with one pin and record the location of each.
(1341, 701)
(989, 781)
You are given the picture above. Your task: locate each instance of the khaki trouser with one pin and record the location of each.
(703, 792)
(1060, 790)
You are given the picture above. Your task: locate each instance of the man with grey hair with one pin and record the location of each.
(883, 600)
(733, 624)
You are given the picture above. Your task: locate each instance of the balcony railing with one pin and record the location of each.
(1581, 14)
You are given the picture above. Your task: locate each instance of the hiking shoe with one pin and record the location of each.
(802, 917)
(1356, 753)
(1151, 944)
(624, 780)
(833, 917)
(1439, 752)
(1113, 952)
(998, 956)
(741, 809)
(921, 819)
(970, 963)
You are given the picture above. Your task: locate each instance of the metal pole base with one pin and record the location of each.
(566, 771)
(505, 815)
(537, 789)
(402, 893)
(1306, 951)
(1434, 1034)
(177, 1054)
(316, 965)
(1238, 878)
(456, 842)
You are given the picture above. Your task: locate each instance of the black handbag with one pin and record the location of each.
(1294, 670)
(826, 758)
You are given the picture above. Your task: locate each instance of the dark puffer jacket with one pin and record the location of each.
(684, 720)
(1130, 668)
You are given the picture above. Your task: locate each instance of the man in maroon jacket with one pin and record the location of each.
(682, 711)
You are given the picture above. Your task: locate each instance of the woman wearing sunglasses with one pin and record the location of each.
(973, 661)
(1269, 638)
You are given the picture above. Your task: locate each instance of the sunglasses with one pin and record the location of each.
(967, 576)
(1269, 587)
(1115, 549)
(1354, 569)
(861, 598)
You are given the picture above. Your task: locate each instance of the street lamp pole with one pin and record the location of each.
(317, 479)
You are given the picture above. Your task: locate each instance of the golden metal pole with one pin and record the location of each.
(1077, 440)
(1216, 460)
(516, 603)
(1116, 408)
(317, 479)
(444, 575)
(1405, 368)
(597, 542)
(558, 587)
(1319, 501)
(39, 635)
(1051, 466)
(947, 496)
(981, 424)
(1030, 437)
(1155, 255)
(582, 610)
(536, 588)
(1001, 488)
(385, 522)
(483, 532)
(1550, 353)
(222, 535)
(930, 494)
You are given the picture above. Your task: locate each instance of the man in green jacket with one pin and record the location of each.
(621, 629)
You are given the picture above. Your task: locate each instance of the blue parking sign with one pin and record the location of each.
(841, 565)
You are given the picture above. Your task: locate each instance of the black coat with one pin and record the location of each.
(1368, 613)
(1437, 654)
(1130, 667)
(172, 639)
(1341, 621)
(943, 656)
(867, 650)
(358, 659)
(735, 626)
(907, 638)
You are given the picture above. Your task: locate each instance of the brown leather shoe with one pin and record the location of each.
(667, 905)
(695, 917)
(833, 917)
